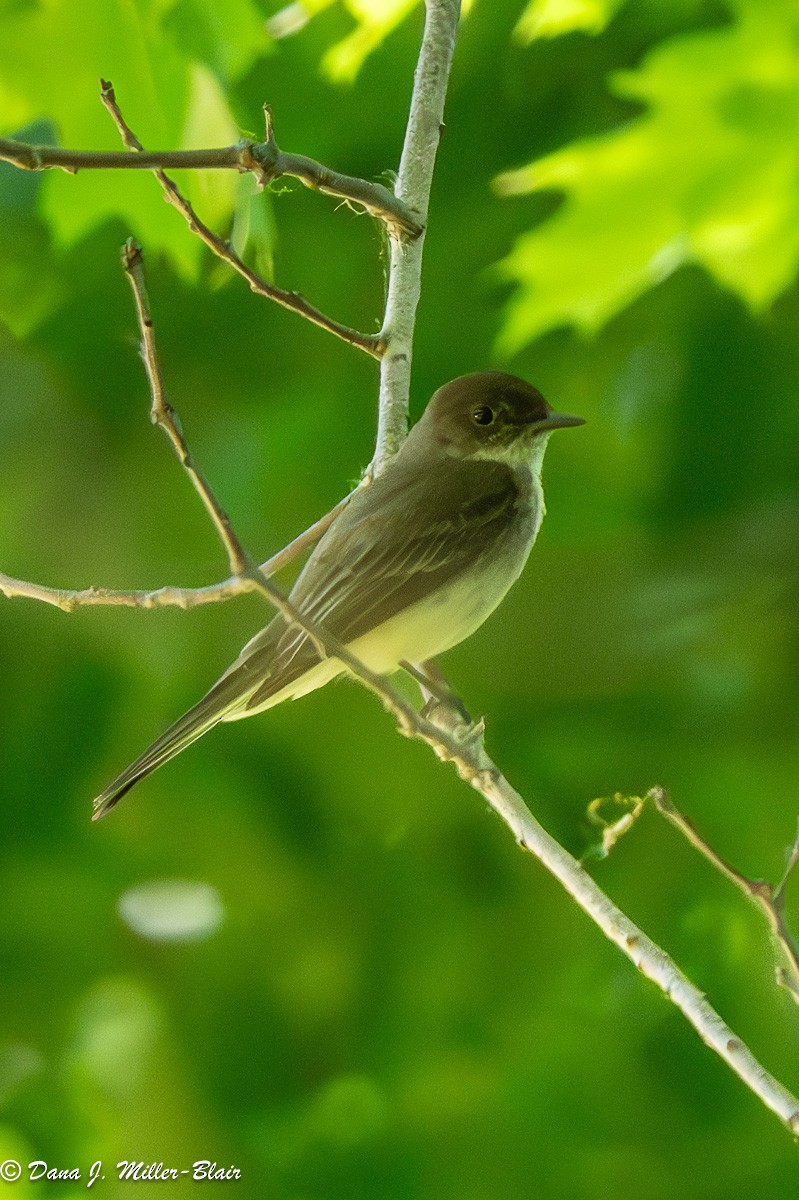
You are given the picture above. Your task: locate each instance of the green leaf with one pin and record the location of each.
(375, 20)
(550, 18)
(209, 122)
(106, 38)
(227, 37)
(708, 175)
(168, 98)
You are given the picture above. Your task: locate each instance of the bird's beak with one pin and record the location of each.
(556, 420)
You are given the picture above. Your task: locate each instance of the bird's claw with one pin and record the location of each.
(451, 715)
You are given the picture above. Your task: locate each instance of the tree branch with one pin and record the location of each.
(414, 181)
(68, 599)
(163, 415)
(265, 159)
(222, 249)
(269, 162)
(170, 596)
(650, 960)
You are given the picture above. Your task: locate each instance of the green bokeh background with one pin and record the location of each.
(399, 1003)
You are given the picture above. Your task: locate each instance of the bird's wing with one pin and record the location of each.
(379, 562)
(377, 559)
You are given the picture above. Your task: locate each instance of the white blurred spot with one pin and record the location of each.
(172, 910)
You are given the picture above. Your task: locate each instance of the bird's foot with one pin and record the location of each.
(452, 716)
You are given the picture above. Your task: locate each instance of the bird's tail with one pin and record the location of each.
(223, 697)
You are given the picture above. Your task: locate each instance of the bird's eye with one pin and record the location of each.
(483, 415)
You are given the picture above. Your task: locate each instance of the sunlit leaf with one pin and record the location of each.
(209, 122)
(375, 20)
(168, 99)
(550, 18)
(708, 175)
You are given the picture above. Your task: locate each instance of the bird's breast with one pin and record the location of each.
(453, 612)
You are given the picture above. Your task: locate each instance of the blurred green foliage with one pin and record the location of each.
(550, 18)
(717, 146)
(398, 1003)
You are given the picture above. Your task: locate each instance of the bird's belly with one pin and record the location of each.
(442, 620)
(424, 630)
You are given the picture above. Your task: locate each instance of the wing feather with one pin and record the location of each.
(380, 558)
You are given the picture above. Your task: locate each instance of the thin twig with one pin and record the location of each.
(169, 596)
(47, 158)
(68, 599)
(369, 343)
(649, 958)
(265, 159)
(163, 415)
(414, 180)
(270, 162)
(769, 899)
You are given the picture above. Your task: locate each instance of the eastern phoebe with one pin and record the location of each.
(412, 565)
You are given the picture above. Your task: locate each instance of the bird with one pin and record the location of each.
(412, 565)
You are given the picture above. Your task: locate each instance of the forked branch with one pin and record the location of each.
(222, 249)
(265, 159)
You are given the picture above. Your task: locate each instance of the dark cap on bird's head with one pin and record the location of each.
(489, 411)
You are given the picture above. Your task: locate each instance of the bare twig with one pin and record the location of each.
(68, 599)
(163, 415)
(270, 162)
(47, 158)
(265, 159)
(170, 596)
(650, 960)
(414, 180)
(369, 343)
(770, 899)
